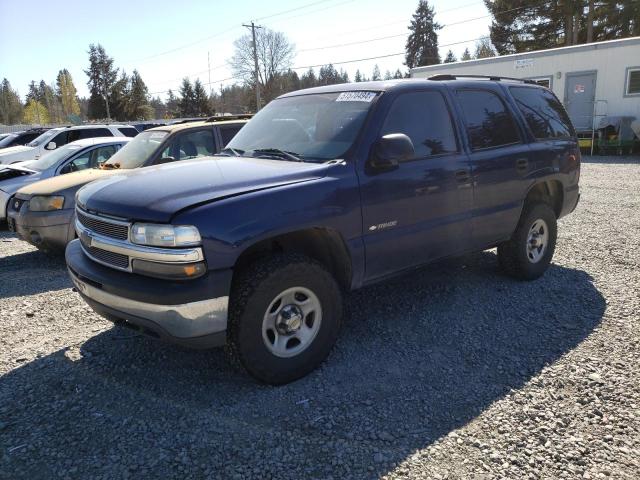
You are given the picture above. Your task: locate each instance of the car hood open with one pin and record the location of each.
(157, 193)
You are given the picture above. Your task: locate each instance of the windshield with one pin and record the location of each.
(43, 138)
(6, 140)
(53, 158)
(135, 153)
(316, 127)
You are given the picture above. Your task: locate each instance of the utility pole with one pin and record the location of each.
(255, 62)
(106, 101)
(209, 67)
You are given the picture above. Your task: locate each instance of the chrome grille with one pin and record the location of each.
(111, 229)
(110, 258)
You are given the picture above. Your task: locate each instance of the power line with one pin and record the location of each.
(292, 10)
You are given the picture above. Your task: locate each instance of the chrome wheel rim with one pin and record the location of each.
(537, 240)
(291, 322)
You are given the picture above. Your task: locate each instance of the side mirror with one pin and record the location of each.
(165, 160)
(389, 151)
(51, 146)
(66, 169)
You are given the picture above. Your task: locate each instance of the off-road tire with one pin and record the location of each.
(252, 293)
(512, 254)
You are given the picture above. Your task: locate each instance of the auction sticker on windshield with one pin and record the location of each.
(356, 97)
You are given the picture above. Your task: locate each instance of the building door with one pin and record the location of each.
(579, 97)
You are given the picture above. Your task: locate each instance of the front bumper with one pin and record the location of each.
(46, 230)
(191, 312)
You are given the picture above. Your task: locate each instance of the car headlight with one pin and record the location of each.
(165, 235)
(42, 203)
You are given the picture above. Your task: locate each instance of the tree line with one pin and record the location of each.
(517, 26)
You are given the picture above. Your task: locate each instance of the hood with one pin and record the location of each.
(157, 193)
(63, 182)
(17, 154)
(13, 177)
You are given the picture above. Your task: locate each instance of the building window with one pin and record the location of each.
(633, 81)
(543, 81)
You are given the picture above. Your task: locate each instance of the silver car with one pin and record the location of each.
(73, 157)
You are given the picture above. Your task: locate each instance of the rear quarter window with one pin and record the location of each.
(488, 122)
(543, 112)
(128, 131)
(227, 133)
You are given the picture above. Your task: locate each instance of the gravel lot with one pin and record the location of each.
(452, 372)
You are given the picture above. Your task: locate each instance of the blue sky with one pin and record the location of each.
(167, 40)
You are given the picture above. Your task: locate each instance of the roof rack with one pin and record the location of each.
(224, 118)
(494, 78)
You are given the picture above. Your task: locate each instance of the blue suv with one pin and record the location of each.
(324, 191)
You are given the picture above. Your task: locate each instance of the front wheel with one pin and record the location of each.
(528, 253)
(284, 318)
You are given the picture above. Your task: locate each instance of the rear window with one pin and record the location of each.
(489, 123)
(128, 131)
(542, 111)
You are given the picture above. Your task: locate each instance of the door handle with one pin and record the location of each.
(462, 176)
(522, 163)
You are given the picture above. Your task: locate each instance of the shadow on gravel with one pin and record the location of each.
(418, 357)
(32, 272)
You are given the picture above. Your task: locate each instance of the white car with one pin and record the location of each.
(57, 137)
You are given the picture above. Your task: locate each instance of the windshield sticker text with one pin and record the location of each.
(356, 97)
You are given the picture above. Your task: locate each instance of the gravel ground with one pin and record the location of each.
(452, 372)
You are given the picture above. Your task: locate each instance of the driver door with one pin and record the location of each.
(420, 211)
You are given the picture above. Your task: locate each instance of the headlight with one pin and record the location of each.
(165, 235)
(46, 203)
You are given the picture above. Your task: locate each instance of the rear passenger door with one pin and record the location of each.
(500, 159)
(419, 211)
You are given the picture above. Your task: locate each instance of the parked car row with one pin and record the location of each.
(57, 137)
(21, 137)
(325, 190)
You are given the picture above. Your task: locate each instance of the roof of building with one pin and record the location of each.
(534, 54)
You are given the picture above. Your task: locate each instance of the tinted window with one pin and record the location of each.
(228, 133)
(543, 112)
(488, 122)
(60, 139)
(425, 119)
(128, 131)
(93, 132)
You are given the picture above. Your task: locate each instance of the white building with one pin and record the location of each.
(599, 77)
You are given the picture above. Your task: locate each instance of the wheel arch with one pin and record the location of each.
(548, 191)
(325, 245)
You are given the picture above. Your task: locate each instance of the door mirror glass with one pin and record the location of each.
(51, 146)
(390, 150)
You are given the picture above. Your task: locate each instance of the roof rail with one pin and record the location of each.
(494, 78)
(224, 118)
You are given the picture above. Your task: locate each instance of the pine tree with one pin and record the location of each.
(173, 105)
(10, 104)
(450, 58)
(309, 79)
(102, 77)
(465, 55)
(68, 94)
(187, 98)
(387, 75)
(358, 76)
(422, 44)
(200, 100)
(138, 107)
(51, 102)
(398, 74)
(375, 76)
(328, 75)
(119, 98)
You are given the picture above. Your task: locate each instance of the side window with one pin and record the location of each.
(94, 132)
(425, 119)
(227, 133)
(60, 139)
(101, 154)
(128, 131)
(81, 162)
(488, 122)
(199, 143)
(542, 111)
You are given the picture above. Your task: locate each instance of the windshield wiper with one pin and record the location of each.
(276, 152)
(236, 152)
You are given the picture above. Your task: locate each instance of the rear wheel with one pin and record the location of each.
(528, 253)
(284, 318)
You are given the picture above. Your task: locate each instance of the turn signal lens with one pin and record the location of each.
(168, 271)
